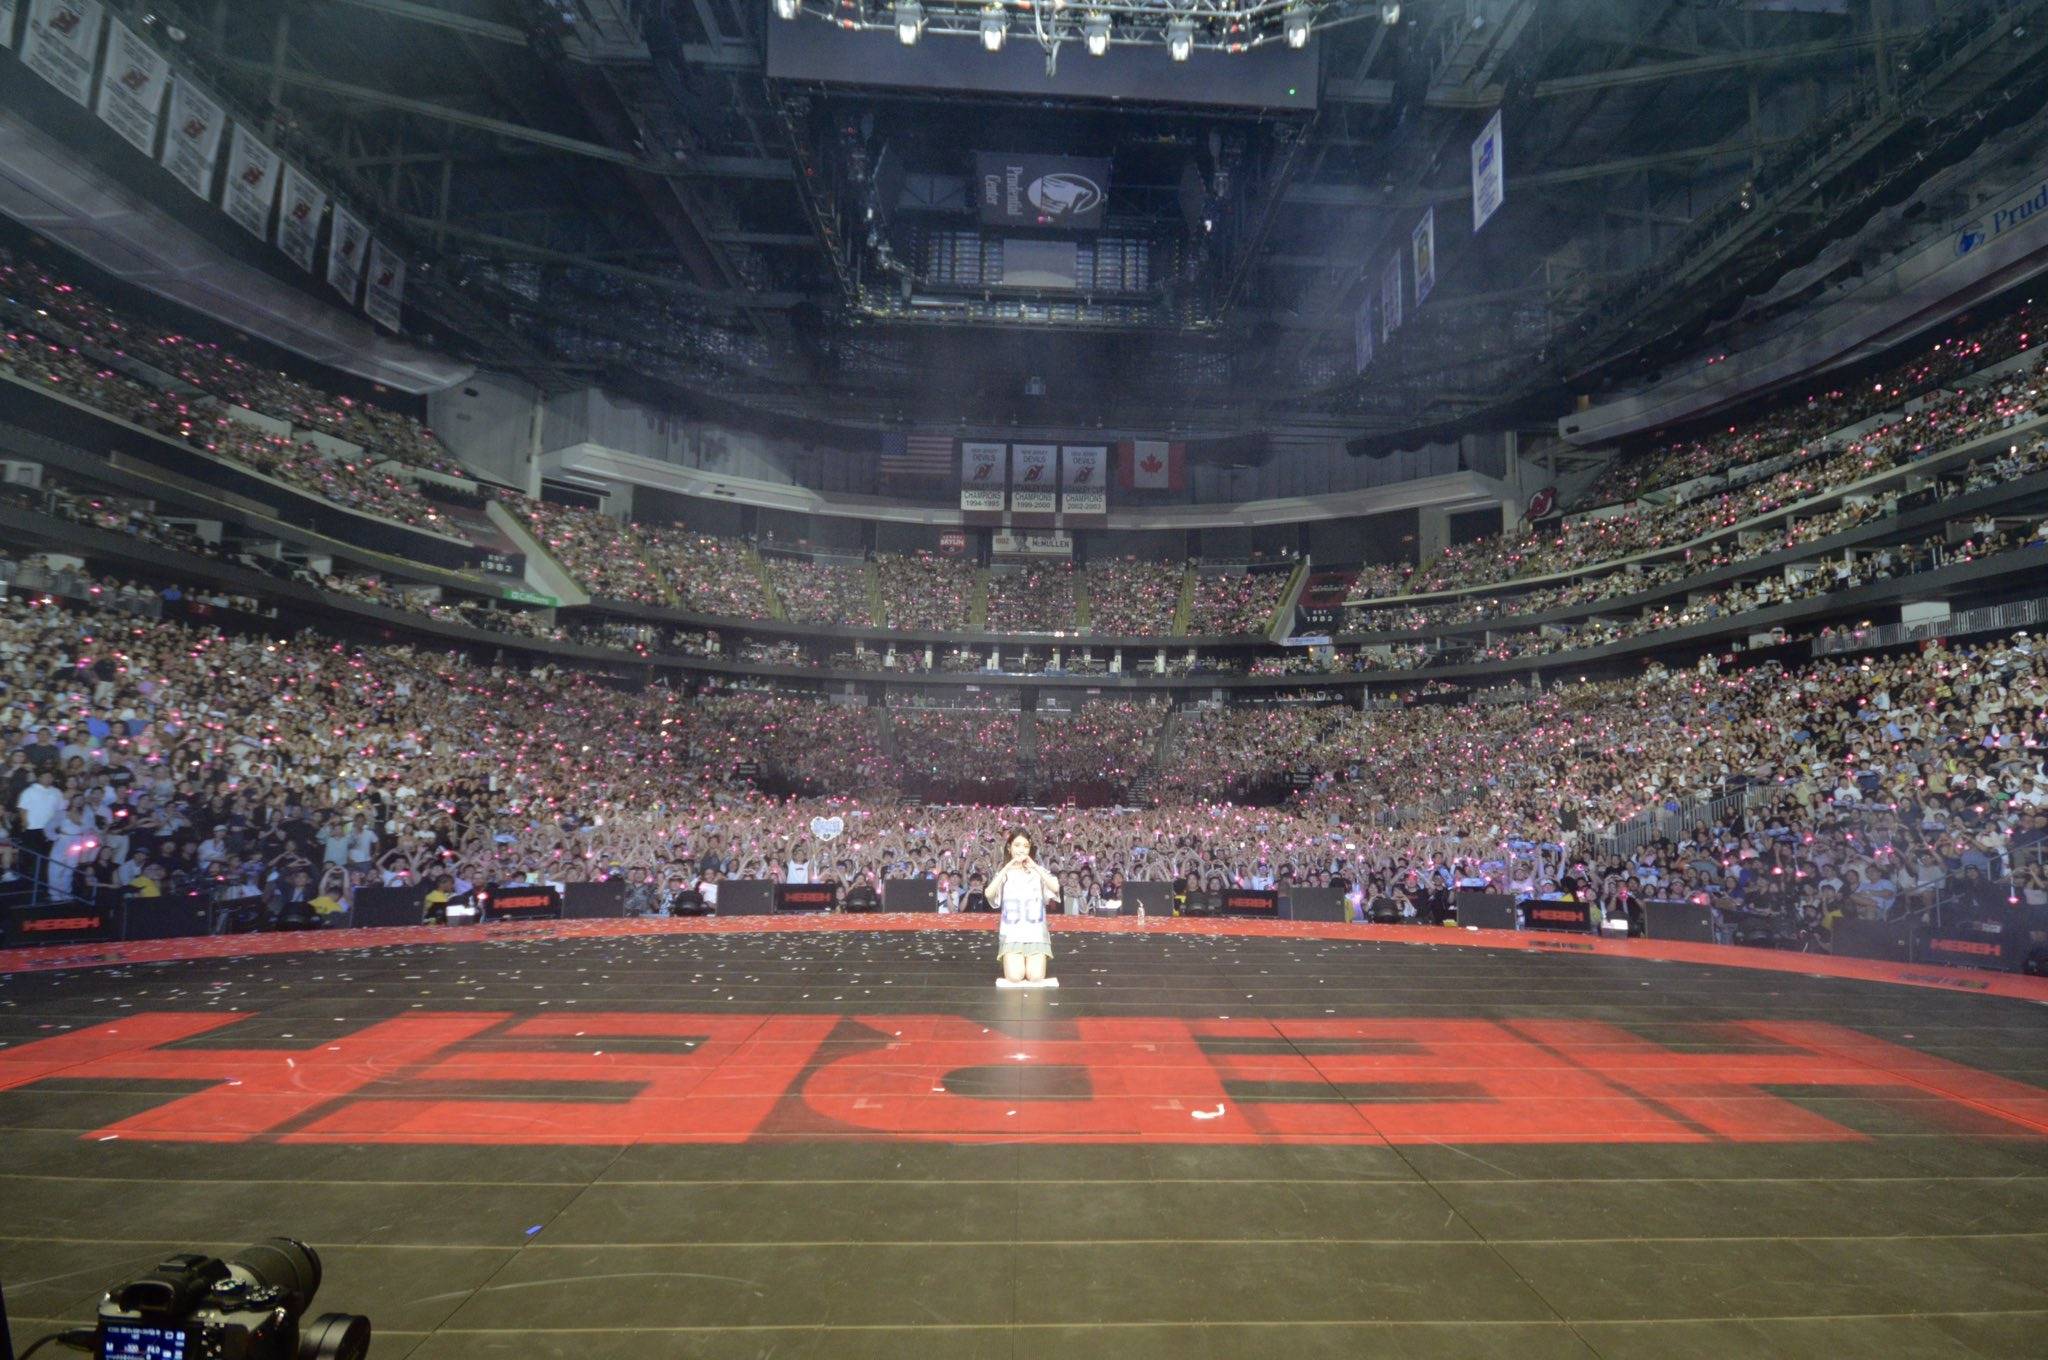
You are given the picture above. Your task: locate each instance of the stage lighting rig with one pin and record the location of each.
(1182, 27)
(909, 22)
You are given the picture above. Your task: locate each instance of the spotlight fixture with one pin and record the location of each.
(1295, 25)
(788, 9)
(1095, 30)
(995, 26)
(1180, 39)
(909, 22)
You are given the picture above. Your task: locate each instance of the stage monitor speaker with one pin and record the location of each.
(172, 917)
(1688, 921)
(1487, 910)
(1888, 940)
(594, 901)
(388, 907)
(910, 894)
(1314, 904)
(746, 897)
(1155, 898)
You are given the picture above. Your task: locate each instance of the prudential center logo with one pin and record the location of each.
(1064, 195)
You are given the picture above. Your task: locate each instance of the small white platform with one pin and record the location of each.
(1008, 985)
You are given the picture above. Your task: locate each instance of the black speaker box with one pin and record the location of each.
(910, 894)
(1313, 904)
(388, 907)
(1487, 910)
(594, 901)
(746, 897)
(1155, 898)
(165, 918)
(1688, 921)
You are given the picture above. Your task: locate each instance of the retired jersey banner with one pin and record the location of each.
(1423, 239)
(1390, 297)
(1034, 478)
(62, 40)
(1084, 479)
(298, 217)
(192, 136)
(385, 288)
(1489, 173)
(984, 470)
(347, 248)
(251, 187)
(131, 97)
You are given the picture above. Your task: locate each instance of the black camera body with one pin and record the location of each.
(194, 1307)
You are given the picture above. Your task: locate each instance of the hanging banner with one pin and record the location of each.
(984, 468)
(251, 187)
(298, 217)
(1489, 173)
(192, 137)
(1390, 297)
(6, 23)
(63, 38)
(1423, 239)
(346, 249)
(131, 95)
(1034, 473)
(1361, 335)
(385, 289)
(1084, 479)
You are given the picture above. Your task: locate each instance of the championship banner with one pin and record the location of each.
(6, 23)
(1040, 191)
(1489, 173)
(1390, 297)
(1423, 239)
(347, 248)
(63, 38)
(192, 137)
(1034, 474)
(251, 187)
(131, 95)
(385, 288)
(1361, 335)
(298, 217)
(1084, 484)
(984, 469)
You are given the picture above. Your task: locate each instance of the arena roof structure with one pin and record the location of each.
(785, 205)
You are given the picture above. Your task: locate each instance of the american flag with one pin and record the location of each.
(916, 457)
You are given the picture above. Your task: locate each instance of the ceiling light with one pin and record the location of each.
(1180, 39)
(788, 9)
(1390, 14)
(1095, 29)
(995, 26)
(909, 21)
(1295, 24)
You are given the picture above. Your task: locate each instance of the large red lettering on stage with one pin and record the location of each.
(724, 1078)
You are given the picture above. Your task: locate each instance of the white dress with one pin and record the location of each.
(1023, 929)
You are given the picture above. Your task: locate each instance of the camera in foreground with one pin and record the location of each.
(248, 1307)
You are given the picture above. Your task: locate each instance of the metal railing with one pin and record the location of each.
(1990, 619)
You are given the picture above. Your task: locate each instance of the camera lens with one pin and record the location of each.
(335, 1336)
(281, 1263)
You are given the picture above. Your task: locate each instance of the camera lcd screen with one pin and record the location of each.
(137, 1341)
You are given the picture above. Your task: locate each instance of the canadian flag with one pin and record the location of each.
(1151, 465)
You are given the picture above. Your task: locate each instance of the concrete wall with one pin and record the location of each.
(488, 422)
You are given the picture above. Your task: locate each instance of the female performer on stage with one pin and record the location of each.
(1020, 891)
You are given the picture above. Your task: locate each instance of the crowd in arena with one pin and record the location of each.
(1130, 597)
(1232, 603)
(266, 767)
(1947, 420)
(831, 593)
(1031, 598)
